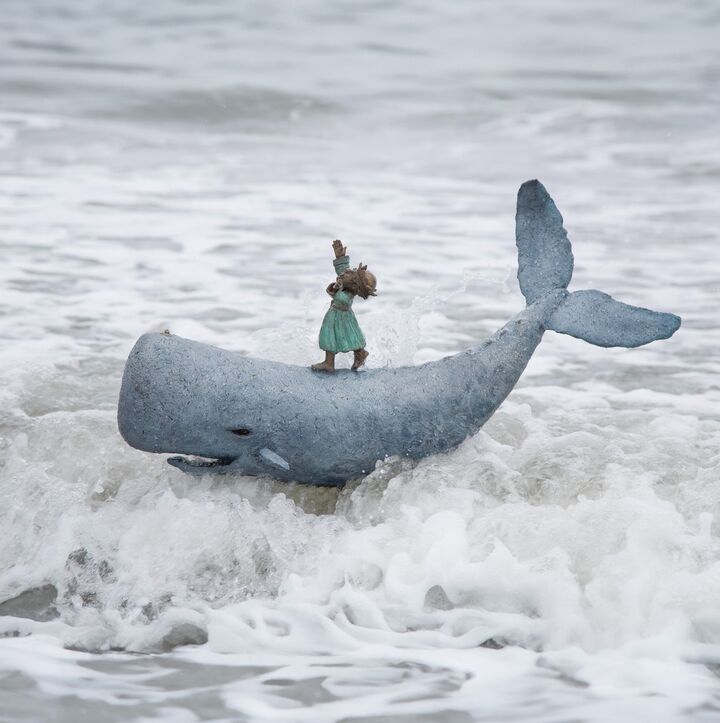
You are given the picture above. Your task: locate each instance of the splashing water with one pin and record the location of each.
(186, 167)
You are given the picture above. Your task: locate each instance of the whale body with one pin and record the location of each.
(257, 417)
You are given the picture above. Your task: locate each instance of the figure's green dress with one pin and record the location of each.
(340, 330)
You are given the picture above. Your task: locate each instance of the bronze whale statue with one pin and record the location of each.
(257, 417)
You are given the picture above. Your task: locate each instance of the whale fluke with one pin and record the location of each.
(545, 264)
(545, 259)
(597, 318)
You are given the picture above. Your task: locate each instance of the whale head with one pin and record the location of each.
(228, 431)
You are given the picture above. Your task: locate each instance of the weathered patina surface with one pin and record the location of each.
(258, 417)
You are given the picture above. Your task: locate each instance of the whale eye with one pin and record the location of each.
(241, 432)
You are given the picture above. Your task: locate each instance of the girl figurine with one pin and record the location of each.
(340, 331)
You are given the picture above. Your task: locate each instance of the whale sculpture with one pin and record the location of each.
(257, 417)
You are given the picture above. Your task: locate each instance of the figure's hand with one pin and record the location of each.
(338, 248)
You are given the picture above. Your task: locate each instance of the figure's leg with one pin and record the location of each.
(360, 356)
(328, 365)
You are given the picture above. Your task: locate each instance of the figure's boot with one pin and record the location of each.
(360, 356)
(327, 366)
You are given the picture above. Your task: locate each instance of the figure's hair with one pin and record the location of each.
(366, 282)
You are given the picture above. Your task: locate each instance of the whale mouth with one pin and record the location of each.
(198, 465)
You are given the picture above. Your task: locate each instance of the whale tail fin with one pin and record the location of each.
(545, 264)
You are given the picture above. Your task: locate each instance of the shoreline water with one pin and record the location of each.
(185, 167)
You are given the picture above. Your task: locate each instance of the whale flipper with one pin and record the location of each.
(274, 459)
(545, 260)
(599, 319)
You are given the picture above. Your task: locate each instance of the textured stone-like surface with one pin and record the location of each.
(38, 603)
(599, 319)
(259, 417)
(545, 260)
(181, 396)
(182, 634)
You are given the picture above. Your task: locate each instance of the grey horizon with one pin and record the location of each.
(258, 417)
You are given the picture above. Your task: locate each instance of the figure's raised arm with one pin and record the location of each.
(342, 260)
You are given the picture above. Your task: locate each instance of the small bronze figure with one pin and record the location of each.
(340, 331)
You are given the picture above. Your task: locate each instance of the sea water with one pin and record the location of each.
(185, 166)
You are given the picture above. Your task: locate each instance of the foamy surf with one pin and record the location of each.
(561, 564)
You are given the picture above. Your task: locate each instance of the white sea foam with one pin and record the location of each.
(563, 564)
